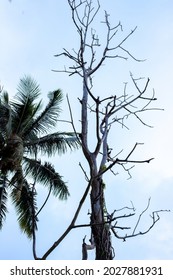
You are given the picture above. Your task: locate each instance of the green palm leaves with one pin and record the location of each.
(24, 135)
(3, 199)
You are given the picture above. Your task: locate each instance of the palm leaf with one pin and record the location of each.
(5, 97)
(3, 200)
(17, 181)
(46, 174)
(24, 106)
(26, 208)
(48, 118)
(28, 90)
(5, 114)
(56, 142)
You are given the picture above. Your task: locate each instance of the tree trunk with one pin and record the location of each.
(100, 229)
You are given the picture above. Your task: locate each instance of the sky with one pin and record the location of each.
(31, 33)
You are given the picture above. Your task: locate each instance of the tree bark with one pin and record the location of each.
(100, 229)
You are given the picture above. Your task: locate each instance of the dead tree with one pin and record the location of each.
(106, 112)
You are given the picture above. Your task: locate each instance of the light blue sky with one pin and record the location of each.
(31, 33)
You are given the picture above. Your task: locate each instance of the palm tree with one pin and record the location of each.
(24, 134)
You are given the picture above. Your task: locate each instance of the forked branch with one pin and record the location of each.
(154, 216)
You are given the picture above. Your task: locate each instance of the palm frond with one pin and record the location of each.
(28, 90)
(5, 97)
(26, 208)
(56, 142)
(24, 106)
(48, 118)
(3, 200)
(17, 181)
(5, 114)
(46, 174)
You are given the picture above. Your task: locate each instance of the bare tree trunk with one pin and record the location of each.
(100, 229)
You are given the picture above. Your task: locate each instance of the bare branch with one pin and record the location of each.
(129, 54)
(86, 176)
(46, 200)
(72, 224)
(140, 216)
(155, 218)
(133, 149)
(124, 161)
(72, 121)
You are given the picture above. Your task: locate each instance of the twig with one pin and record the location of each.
(86, 176)
(140, 216)
(72, 121)
(43, 205)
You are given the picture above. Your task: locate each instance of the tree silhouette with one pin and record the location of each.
(101, 114)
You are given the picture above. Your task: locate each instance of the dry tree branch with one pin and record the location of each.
(140, 216)
(86, 176)
(124, 161)
(155, 218)
(72, 121)
(82, 26)
(133, 149)
(72, 224)
(44, 203)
